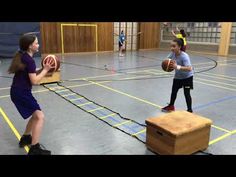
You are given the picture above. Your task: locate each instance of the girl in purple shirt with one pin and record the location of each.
(24, 68)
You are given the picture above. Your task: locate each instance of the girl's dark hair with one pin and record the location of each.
(179, 41)
(183, 33)
(24, 43)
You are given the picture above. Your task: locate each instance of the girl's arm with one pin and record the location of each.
(35, 78)
(173, 33)
(182, 68)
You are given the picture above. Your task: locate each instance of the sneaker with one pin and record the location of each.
(190, 110)
(25, 140)
(37, 150)
(168, 108)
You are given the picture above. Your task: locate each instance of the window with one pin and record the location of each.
(200, 32)
(233, 34)
(130, 29)
(190, 24)
(213, 24)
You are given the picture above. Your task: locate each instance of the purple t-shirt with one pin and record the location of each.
(21, 79)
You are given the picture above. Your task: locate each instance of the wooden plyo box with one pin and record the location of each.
(179, 132)
(55, 77)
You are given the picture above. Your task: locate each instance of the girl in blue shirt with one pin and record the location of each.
(183, 75)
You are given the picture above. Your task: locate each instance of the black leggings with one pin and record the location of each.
(187, 95)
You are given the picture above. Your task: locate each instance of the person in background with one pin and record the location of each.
(182, 35)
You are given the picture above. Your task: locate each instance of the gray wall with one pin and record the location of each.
(10, 33)
(232, 50)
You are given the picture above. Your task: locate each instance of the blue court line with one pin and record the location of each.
(214, 102)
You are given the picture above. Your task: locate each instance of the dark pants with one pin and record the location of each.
(120, 44)
(187, 84)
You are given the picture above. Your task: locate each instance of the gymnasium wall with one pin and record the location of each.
(10, 32)
(232, 46)
(130, 30)
(82, 39)
(150, 37)
(201, 36)
(232, 50)
(51, 37)
(76, 38)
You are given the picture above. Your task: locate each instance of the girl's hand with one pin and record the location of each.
(174, 65)
(48, 65)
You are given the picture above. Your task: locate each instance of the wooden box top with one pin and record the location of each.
(178, 123)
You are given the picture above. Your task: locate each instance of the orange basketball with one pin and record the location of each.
(167, 65)
(56, 62)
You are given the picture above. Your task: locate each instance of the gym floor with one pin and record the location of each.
(103, 100)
